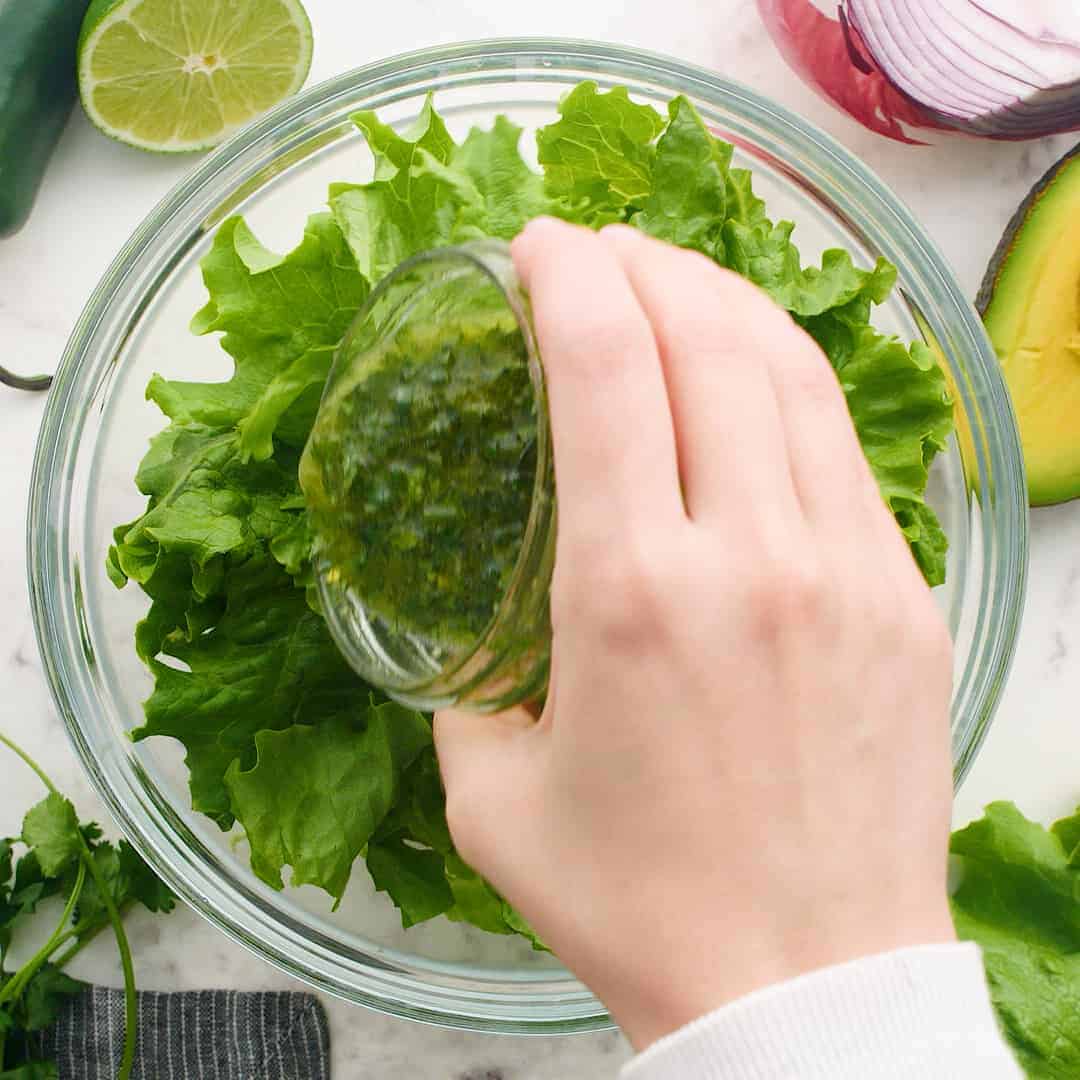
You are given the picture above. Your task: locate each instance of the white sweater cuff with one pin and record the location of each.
(921, 1012)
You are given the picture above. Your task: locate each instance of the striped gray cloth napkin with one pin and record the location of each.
(198, 1035)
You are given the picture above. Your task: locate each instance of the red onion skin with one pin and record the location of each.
(818, 49)
(856, 49)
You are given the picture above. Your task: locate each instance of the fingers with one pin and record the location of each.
(714, 332)
(836, 488)
(612, 433)
(839, 496)
(761, 423)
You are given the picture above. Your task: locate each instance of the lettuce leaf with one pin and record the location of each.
(414, 878)
(412, 859)
(412, 204)
(255, 296)
(510, 192)
(1017, 897)
(687, 203)
(206, 502)
(280, 735)
(764, 253)
(598, 157)
(266, 664)
(345, 773)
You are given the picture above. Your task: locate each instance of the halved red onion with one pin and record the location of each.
(1004, 69)
(1043, 20)
(840, 68)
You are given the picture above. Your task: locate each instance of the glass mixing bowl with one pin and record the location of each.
(97, 423)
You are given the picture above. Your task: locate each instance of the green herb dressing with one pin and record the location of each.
(419, 475)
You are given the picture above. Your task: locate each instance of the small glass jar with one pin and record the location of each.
(430, 486)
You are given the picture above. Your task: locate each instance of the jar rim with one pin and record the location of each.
(470, 678)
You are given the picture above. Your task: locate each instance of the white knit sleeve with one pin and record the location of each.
(922, 1013)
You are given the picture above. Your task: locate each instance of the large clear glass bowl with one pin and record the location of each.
(97, 423)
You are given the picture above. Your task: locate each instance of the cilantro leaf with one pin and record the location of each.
(32, 1070)
(6, 865)
(140, 884)
(128, 880)
(316, 794)
(44, 996)
(63, 855)
(51, 829)
(1017, 898)
(9, 911)
(31, 885)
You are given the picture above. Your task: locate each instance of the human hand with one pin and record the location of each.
(742, 770)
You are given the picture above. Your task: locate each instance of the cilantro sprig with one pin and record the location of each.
(56, 855)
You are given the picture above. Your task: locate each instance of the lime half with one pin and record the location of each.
(181, 75)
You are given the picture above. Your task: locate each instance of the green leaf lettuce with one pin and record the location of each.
(280, 735)
(1019, 897)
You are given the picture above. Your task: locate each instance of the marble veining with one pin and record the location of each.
(96, 193)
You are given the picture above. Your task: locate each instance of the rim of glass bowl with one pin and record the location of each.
(542, 1002)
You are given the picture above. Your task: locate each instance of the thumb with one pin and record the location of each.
(466, 741)
(476, 755)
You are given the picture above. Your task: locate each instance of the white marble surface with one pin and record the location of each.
(95, 194)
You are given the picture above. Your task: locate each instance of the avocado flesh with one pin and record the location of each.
(1031, 306)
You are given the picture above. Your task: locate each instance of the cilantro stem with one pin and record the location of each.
(23, 976)
(43, 777)
(18, 750)
(87, 863)
(84, 936)
(130, 1003)
(77, 947)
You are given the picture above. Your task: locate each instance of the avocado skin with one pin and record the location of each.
(1047, 485)
(1015, 227)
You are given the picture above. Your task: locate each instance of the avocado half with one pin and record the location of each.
(1030, 303)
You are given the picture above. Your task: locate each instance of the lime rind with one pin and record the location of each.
(178, 76)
